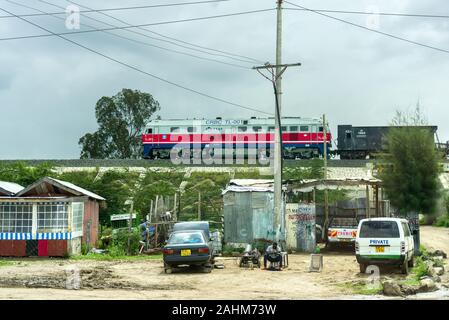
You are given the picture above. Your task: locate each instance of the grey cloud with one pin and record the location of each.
(48, 88)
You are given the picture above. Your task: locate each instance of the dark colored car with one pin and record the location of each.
(190, 248)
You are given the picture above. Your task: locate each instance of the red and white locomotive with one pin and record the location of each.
(301, 137)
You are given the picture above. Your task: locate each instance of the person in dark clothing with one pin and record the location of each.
(143, 230)
(272, 254)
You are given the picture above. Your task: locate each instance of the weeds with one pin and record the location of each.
(363, 288)
(442, 221)
(4, 263)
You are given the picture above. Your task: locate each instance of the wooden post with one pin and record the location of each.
(151, 211)
(175, 207)
(130, 224)
(199, 206)
(367, 202)
(377, 200)
(156, 207)
(155, 235)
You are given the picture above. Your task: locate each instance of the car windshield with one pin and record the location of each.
(186, 238)
(379, 229)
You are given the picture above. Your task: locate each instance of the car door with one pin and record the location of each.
(411, 241)
(408, 239)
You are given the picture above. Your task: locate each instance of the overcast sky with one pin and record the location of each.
(49, 87)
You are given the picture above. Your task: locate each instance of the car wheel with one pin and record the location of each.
(404, 268)
(168, 270)
(362, 267)
(207, 268)
(411, 263)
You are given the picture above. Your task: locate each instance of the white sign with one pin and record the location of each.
(124, 216)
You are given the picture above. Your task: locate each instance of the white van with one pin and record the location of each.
(384, 241)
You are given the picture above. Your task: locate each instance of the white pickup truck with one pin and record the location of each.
(342, 230)
(341, 234)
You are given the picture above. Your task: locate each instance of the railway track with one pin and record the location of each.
(130, 163)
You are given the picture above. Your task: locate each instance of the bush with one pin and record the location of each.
(119, 243)
(229, 250)
(442, 221)
(420, 270)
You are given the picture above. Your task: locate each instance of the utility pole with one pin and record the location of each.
(277, 123)
(279, 53)
(326, 194)
(274, 79)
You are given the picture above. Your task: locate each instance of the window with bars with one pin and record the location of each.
(77, 216)
(52, 217)
(16, 217)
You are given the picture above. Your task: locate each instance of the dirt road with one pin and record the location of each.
(145, 279)
(435, 238)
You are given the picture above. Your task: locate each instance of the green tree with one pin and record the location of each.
(410, 174)
(21, 173)
(121, 119)
(116, 186)
(155, 184)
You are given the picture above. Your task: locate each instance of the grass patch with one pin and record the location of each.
(410, 281)
(420, 269)
(362, 288)
(107, 257)
(5, 263)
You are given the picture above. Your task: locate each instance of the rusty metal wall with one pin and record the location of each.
(248, 216)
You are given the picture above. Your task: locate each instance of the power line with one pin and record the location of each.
(117, 9)
(372, 30)
(141, 42)
(398, 14)
(172, 40)
(134, 26)
(137, 69)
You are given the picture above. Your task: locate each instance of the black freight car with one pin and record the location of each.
(363, 142)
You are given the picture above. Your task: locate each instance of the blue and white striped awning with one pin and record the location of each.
(36, 236)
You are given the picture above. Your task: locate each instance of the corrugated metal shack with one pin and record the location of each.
(249, 212)
(48, 218)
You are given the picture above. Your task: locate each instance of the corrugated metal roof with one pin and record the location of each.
(308, 185)
(249, 185)
(10, 188)
(65, 185)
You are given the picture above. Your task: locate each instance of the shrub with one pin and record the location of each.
(442, 221)
(229, 250)
(420, 270)
(119, 243)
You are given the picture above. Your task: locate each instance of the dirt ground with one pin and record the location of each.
(145, 279)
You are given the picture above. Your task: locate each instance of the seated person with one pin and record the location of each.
(272, 254)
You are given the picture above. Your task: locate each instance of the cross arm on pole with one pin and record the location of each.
(270, 66)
